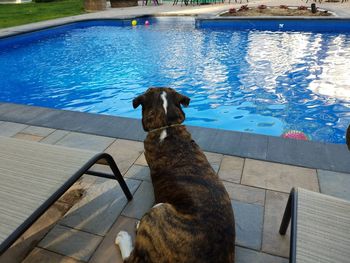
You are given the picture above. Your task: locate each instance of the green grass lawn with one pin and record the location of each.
(19, 14)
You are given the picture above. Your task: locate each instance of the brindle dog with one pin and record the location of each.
(193, 220)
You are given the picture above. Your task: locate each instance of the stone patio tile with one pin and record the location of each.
(278, 177)
(249, 222)
(142, 202)
(335, 184)
(10, 128)
(245, 193)
(54, 137)
(214, 159)
(141, 160)
(273, 242)
(38, 131)
(39, 255)
(244, 255)
(99, 208)
(28, 137)
(139, 172)
(231, 169)
(70, 242)
(83, 183)
(108, 251)
(29, 239)
(86, 141)
(125, 153)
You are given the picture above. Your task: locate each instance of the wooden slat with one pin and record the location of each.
(30, 173)
(323, 228)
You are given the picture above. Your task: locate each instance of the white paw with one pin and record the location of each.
(123, 240)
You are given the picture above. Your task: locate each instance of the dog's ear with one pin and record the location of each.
(137, 101)
(183, 100)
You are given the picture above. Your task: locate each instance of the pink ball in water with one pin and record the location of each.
(147, 23)
(293, 134)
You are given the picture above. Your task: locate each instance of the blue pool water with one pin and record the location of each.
(258, 81)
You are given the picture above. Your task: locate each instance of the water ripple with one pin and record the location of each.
(253, 81)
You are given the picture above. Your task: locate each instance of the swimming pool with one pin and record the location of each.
(259, 81)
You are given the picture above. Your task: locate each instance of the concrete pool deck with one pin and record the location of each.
(258, 171)
(84, 231)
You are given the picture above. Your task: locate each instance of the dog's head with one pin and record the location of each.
(161, 107)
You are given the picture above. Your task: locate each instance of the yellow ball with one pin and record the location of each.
(134, 22)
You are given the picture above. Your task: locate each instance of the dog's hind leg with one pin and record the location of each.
(123, 240)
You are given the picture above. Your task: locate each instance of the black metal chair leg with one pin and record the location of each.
(287, 214)
(118, 176)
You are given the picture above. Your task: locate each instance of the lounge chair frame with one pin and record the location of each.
(290, 214)
(320, 227)
(55, 196)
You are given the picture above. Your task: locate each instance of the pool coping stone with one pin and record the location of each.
(310, 154)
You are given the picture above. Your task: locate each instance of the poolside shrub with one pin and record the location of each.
(243, 8)
(302, 7)
(232, 10)
(283, 7)
(262, 7)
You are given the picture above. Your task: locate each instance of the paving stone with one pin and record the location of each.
(141, 160)
(214, 159)
(302, 153)
(38, 131)
(108, 251)
(28, 137)
(70, 242)
(86, 141)
(253, 145)
(10, 128)
(99, 208)
(244, 255)
(39, 255)
(339, 157)
(83, 183)
(30, 238)
(278, 177)
(249, 222)
(231, 169)
(54, 137)
(125, 153)
(142, 202)
(245, 193)
(335, 184)
(273, 242)
(21, 113)
(139, 172)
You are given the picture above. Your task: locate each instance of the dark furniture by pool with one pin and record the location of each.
(34, 175)
(320, 227)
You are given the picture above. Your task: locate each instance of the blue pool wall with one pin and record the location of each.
(334, 25)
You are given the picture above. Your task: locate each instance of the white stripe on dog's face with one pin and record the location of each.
(165, 101)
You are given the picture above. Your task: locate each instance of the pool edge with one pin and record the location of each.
(316, 155)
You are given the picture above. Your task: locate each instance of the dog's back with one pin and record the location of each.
(193, 219)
